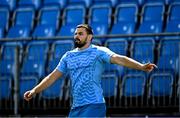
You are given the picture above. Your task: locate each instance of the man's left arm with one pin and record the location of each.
(130, 63)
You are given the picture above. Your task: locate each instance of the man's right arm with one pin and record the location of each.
(46, 82)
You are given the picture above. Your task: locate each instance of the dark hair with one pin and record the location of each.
(87, 27)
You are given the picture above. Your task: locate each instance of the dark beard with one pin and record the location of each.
(79, 44)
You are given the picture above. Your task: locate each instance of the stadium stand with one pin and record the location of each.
(145, 30)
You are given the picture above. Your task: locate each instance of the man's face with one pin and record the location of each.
(80, 37)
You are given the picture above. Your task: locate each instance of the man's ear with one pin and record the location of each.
(90, 37)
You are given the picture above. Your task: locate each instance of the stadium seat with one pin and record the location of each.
(100, 14)
(172, 26)
(74, 15)
(5, 87)
(58, 3)
(110, 3)
(55, 90)
(119, 47)
(165, 47)
(109, 85)
(37, 50)
(49, 16)
(126, 13)
(59, 48)
(35, 4)
(150, 27)
(26, 83)
(32, 67)
(44, 31)
(160, 88)
(153, 12)
(137, 2)
(123, 28)
(67, 30)
(18, 32)
(99, 29)
(7, 68)
(133, 89)
(168, 58)
(173, 14)
(133, 85)
(2, 32)
(4, 16)
(85, 3)
(9, 4)
(143, 50)
(8, 50)
(20, 14)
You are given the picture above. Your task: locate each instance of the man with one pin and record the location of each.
(85, 66)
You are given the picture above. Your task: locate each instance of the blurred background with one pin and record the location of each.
(34, 34)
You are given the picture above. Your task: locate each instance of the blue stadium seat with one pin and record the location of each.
(168, 58)
(109, 85)
(37, 50)
(26, 83)
(20, 14)
(19, 32)
(49, 16)
(153, 12)
(85, 3)
(104, 2)
(7, 68)
(59, 48)
(143, 50)
(150, 27)
(58, 3)
(5, 87)
(4, 16)
(137, 2)
(133, 85)
(55, 90)
(100, 14)
(165, 47)
(44, 31)
(173, 14)
(32, 67)
(99, 29)
(74, 15)
(35, 4)
(67, 30)
(172, 26)
(1, 32)
(161, 84)
(123, 28)
(119, 47)
(9, 4)
(157, 1)
(126, 13)
(8, 50)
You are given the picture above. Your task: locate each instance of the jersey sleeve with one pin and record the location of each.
(62, 66)
(106, 54)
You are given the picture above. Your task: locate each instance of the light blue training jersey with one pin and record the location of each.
(85, 68)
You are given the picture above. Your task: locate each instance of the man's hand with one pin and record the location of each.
(148, 67)
(29, 94)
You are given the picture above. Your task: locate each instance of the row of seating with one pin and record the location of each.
(152, 20)
(35, 61)
(36, 54)
(36, 4)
